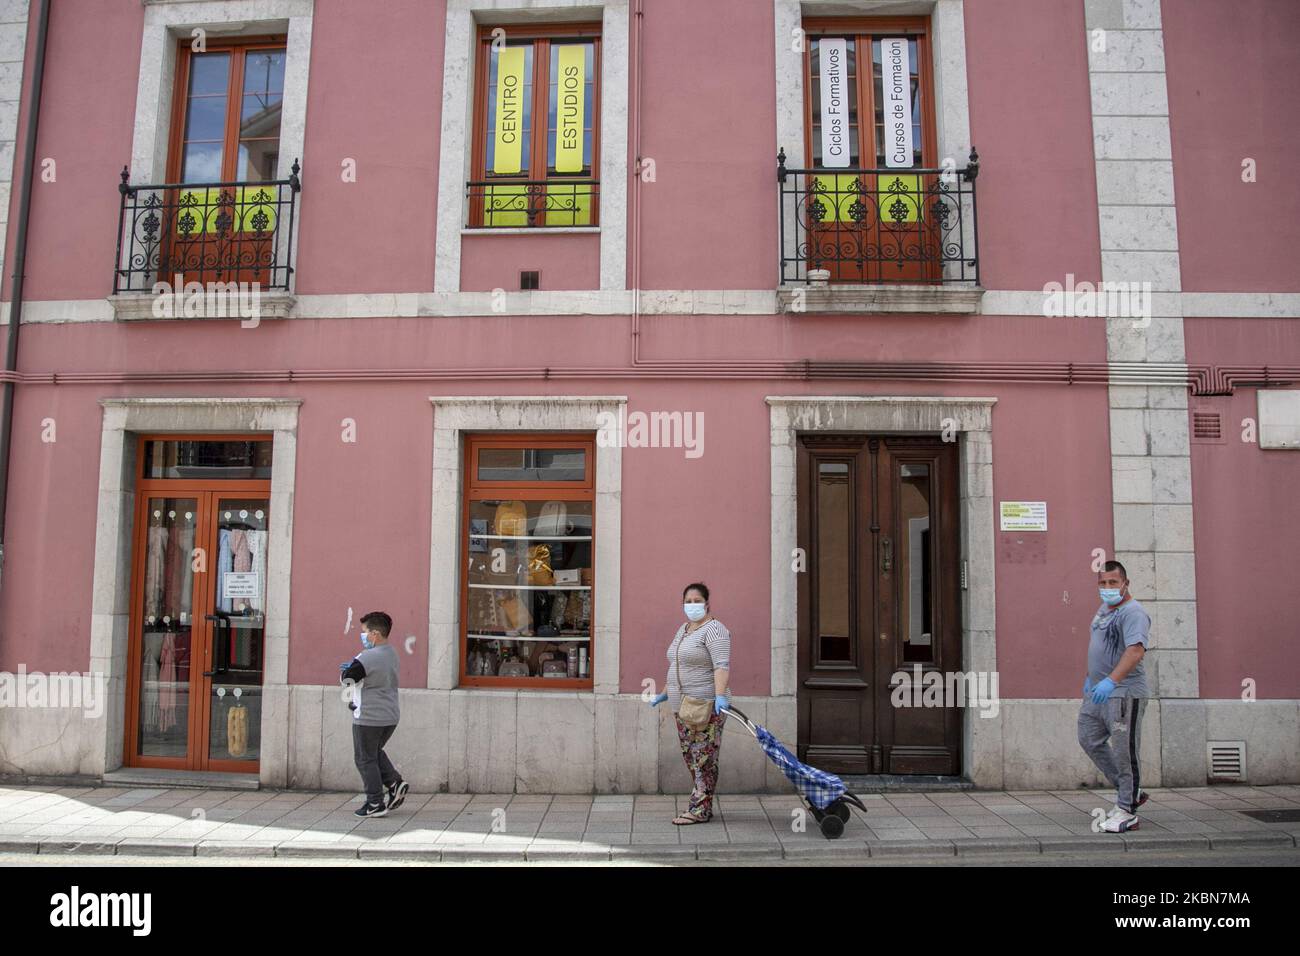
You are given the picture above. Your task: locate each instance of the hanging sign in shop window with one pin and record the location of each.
(241, 584)
(508, 152)
(570, 111)
(834, 57)
(1024, 515)
(896, 79)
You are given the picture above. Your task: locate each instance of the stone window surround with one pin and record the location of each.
(453, 416)
(952, 112)
(973, 417)
(123, 420)
(459, 51)
(165, 22)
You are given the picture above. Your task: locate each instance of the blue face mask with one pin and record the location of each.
(1111, 596)
(695, 612)
(365, 640)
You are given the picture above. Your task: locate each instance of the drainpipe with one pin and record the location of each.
(638, 20)
(20, 260)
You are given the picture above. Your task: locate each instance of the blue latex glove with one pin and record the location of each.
(1101, 693)
(720, 703)
(659, 699)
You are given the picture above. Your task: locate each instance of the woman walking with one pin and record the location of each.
(697, 692)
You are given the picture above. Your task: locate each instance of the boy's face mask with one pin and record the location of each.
(365, 639)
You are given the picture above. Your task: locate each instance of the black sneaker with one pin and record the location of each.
(371, 810)
(397, 793)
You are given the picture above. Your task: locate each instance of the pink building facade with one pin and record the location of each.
(562, 306)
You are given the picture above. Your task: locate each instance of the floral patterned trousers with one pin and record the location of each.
(700, 751)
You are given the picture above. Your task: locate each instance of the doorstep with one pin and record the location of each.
(199, 779)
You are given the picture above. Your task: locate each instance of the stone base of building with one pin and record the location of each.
(478, 741)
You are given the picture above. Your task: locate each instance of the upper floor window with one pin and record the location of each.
(878, 213)
(228, 100)
(536, 129)
(871, 100)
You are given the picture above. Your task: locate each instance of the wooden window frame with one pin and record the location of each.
(584, 490)
(239, 47)
(203, 595)
(536, 167)
(860, 29)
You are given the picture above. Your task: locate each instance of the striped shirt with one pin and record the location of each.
(704, 650)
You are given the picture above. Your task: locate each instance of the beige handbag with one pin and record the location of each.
(694, 712)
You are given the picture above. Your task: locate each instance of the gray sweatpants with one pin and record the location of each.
(377, 771)
(1111, 734)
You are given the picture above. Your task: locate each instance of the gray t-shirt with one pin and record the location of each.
(1113, 632)
(376, 694)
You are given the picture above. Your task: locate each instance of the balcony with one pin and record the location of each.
(878, 240)
(236, 232)
(533, 203)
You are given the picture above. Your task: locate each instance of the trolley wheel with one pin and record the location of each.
(841, 809)
(832, 827)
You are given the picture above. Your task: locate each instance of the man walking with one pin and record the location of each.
(1114, 692)
(374, 678)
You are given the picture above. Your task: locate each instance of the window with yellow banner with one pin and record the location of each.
(870, 122)
(203, 211)
(536, 129)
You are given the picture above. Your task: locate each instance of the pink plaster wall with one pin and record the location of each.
(361, 535)
(1247, 521)
(1232, 95)
(1030, 107)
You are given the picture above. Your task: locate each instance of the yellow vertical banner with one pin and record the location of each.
(508, 152)
(570, 108)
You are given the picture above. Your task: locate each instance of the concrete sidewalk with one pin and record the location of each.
(469, 828)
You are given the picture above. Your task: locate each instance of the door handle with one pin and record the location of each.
(220, 617)
(886, 555)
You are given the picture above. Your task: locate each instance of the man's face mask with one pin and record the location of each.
(1111, 596)
(365, 639)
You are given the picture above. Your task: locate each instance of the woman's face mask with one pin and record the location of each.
(695, 611)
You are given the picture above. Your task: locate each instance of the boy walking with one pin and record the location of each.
(374, 679)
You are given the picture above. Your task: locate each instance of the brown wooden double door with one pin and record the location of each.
(878, 525)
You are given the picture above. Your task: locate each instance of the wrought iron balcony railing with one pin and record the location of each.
(206, 232)
(870, 226)
(533, 203)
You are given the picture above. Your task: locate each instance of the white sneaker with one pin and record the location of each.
(1119, 821)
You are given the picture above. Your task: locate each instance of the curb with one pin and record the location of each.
(420, 852)
(324, 850)
(913, 848)
(230, 848)
(1265, 838)
(830, 852)
(974, 846)
(138, 847)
